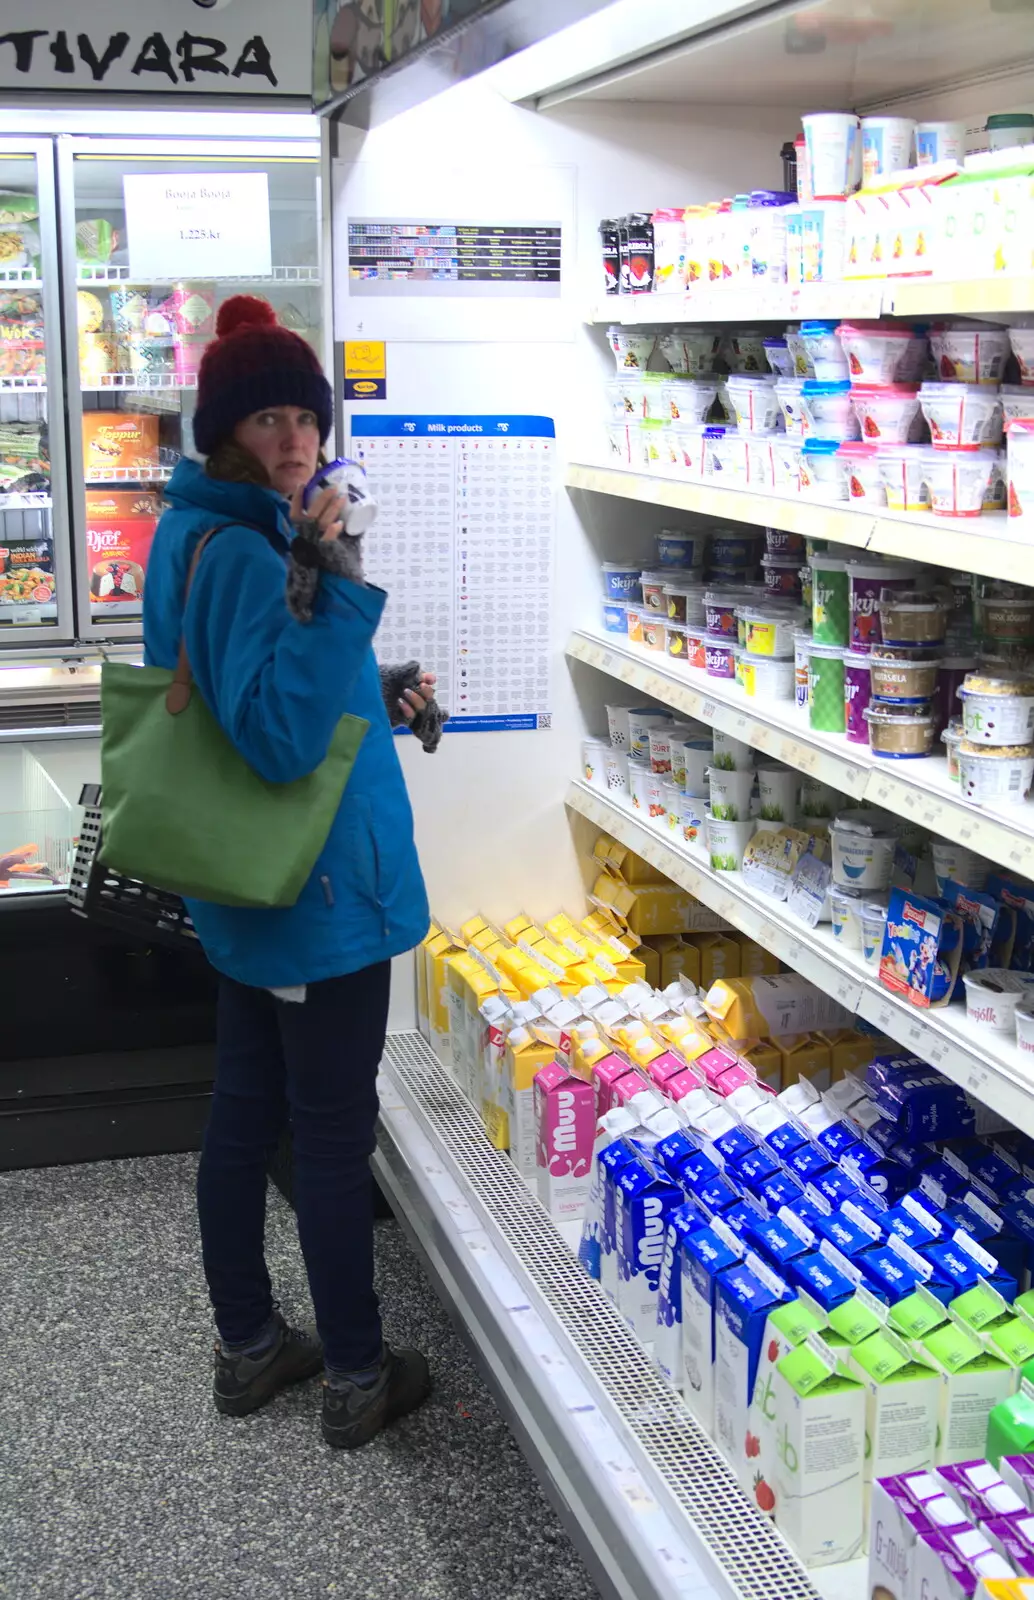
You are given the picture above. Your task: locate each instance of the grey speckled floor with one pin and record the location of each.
(120, 1482)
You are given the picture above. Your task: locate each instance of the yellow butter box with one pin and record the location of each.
(619, 859)
(516, 927)
(649, 908)
(470, 929)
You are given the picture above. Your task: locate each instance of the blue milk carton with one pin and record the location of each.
(667, 1344)
(959, 1263)
(645, 1201)
(611, 1160)
(745, 1295)
(706, 1254)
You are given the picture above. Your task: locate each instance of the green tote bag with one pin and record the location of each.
(181, 808)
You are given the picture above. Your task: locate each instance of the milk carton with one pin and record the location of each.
(903, 1395)
(612, 1125)
(706, 1254)
(565, 1121)
(528, 1050)
(745, 1295)
(611, 1160)
(667, 1343)
(895, 1522)
(820, 1451)
(787, 1327)
(645, 1201)
(973, 1381)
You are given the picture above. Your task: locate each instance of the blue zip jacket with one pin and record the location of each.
(278, 688)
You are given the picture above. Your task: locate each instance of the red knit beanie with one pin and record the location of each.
(253, 363)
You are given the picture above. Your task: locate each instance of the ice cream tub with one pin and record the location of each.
(995, 775)
(824, 351)
(755, 402)
(912, 616)
(846, 919)
(641, 721)
(866, 582)
(777, 790)
(857, 694)
(900, 732)
(970, 352)
(780, 357)
(961, 415)
(886, 146)
(828, 411)
(677, 549)
(730, 793)
(675, 640)
(782, 576)
(862, 852)
(992, 995)
(769, 630)
(654, 625)
(726, 842)
(622, 580)
(864, 482)
(908, 681)
(885, 416)
(719, 656)
(732, 549)
(801, 676)
(826, 688)
(720, 611)
(823, 471)
(687, 399)
(1022, 342)
(690, 351)
(902, 469)
(833, 143)
(874, 921)
(697, 758)
(788, 392)
(615, 616)
(731, 754)
(875, 351)
(765, 678)
(781, 542)
(593, 754)
(997, 710)
(632, 347)
(640, 782)
(953, 863)
(615, 772)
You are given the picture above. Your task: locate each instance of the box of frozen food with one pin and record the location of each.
(22, 352)
(119, 444)
(27, 573)
(119, 530)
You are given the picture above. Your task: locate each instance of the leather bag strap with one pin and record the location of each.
(177, 696)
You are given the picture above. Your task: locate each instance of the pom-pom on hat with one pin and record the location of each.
(253, 363)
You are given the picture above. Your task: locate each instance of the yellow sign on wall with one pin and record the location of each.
(366, 369)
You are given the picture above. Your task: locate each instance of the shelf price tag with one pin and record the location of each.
(198, 225)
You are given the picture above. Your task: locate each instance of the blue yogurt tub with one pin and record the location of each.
(615, 616)
(622, 580)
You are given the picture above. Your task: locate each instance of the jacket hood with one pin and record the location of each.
(191, 489)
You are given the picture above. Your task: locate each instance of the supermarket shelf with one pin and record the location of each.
(919, 790)
(991, 1070)
(20, 278)
(141, 381)
(112, 275)
(127, 475)
(979, 544)
(903, 297)
(25, 502)
(10, 383)
(653, 1508)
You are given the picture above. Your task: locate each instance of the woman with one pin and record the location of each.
(303, 992)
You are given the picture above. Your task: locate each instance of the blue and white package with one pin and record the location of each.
(850, 1231)
(807, 1162)
(886, 1178)
(698, 1168)
(716, 1195)
(742, 1215)
(611, 1160)
(672, 1153)
(783, 1189)
(612, 1125)
(706, 1254)
(745, 1295)
(998, 1175)
(893, 1271)
(785, 1139)
(837, 1187)
(837, 1140)
(645, 1201)
(960, 1263)
(349, 479)
(815, 1274)
(667, 1346)
(1019, 1216)
(990, 1229)
(756, 1169)
(941, 1181)
(734, 1145)
(776, 1243)
(912, 1221)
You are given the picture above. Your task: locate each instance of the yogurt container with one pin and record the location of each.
(719, 656)
(900, 732)
(744, 351)
(720, 612)
(684, 602)
(857, 695)
(961, 415)
(650, 444)
(760, 474)
(691, 819)
(828, 411)
(970, 352)
(619, 449)
(615, 773)
(777, 791)
(951, 674)
(769, 630)
(632, 347)
(788, 393)
(951, 739)
(1022, 342)
(866, 582)
(625, 396)
(593, 753)
(615, 616)
(635, 615)
(826, 688)
(913, 682)
(887, 415)
(823, 471)
(695, 658)
(656, 800)
(622, 580)
(846, 918)
(653, 586)
(875, 352)
(730, 793)
(689, 351)
(997, 711)
(995, 775)
(940, 141)
(801, 674)
(824, 351)
(730, 548)
(1005, 615)
(617, 724)
(830, 598)
(660, 747)
(696, 759)
(653, 400)
(833, 143)
(675, 640)
(780, 542)
(874, 923)
(902, 469)
(886, 146)
(724, 457)
(1020, 439)
(678, 549)
(766, 678)
(864, 482)
(755, 402)
(726, 842)
(640, 783)
(1024, 1018)
(957, 480)
(780, 357)
(992, 995)
(731, 754)
(641, 721)
(953, 863)
(782, 576)
(654, 624)
(802, 363)
(1017, 400)
(862, 851)
(913, 616)
(687, 399)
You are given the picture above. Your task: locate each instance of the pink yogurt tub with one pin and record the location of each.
(719, 656)
(876, 352)
(857, 694)
(863, 472)
(885, 415)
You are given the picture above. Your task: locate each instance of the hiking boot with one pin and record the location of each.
(354, 1413)
(245, 1382)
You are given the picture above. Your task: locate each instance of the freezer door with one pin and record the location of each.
(35, 566)
(156, 236)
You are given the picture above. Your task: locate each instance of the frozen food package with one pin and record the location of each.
(95, 241)
(24, 464)
(19, 236)
(89, 311)
(22, 351)
(119, 445)
(190, 309)
(26, 573)
(119, 529)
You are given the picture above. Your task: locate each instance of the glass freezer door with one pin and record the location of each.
(162, 234)
(35, 581)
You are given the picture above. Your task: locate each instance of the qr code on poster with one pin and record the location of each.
(544, 719)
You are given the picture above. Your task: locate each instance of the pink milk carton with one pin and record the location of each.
(565, 1119)
(735, 1077)
(682, 1083)
(713, 1063)
(605, 1075)
(629, 1085)
(664, 1067)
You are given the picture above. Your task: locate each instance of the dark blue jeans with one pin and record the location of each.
(314, 1065)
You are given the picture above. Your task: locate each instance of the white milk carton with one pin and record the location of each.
(706, 1254)
(820, 1455)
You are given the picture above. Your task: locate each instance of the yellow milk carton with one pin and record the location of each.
(754, 959)
(528, 1049)
(437, 956)
(719, 957)
(423, 1018)
(808, 1057)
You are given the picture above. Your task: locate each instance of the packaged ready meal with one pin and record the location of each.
(19, 238)
(119, 444)
(26, 573)
(24, 463)
(119, 530)
(22, 353)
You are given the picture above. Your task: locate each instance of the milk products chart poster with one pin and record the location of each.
(463, 544)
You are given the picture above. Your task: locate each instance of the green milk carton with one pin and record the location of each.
(787, 1327)
(902, 1402)
(973, 1382)
(820, 1454)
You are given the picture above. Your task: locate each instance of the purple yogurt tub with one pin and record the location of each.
(857, 694)
(720, 655)
(950, 672)
(865, 581)
(720, 611)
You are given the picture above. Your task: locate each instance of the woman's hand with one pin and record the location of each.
(327, 511)
(416, 700)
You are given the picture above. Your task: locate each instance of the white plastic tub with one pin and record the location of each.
(863, 852)
(788, 392)
(886, 146)
(846, 918)
(726, 842)
(992, 995)
(970, 352)
(640, 782)
(615, 772)
(730, 793)
(1020, 442)
(632, 347)
(755, 402)
(885, 415)
(994, 776)
(824, 471)
(834, 151)
(641, 722)
(689, 351)
(767, 679)
(902, 469)
(876, 352)
(828, 412)
(957, 481)
(961, 414)
(953, 863)
(1022, 341)
(594, 752)
(687, 400)
(777, 792)
(863, 468)
(1024, 1017)
(940, 141)
(874, 923)
(769, 630)
(996, 711)
(824, 351)
(1017, 401)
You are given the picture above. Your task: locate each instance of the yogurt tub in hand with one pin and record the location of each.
(1022, 342)
(875, 352)
(900, 732)
(828, 411)
(902, 467)
(961, 414)
(957, 480)
(992, 995)
(995, 775)
(886, 416)
(863, 852)
(970, 352)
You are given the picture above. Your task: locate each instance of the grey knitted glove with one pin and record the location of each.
(427, 725)
(310, 554)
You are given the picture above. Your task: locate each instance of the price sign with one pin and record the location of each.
(198, 225)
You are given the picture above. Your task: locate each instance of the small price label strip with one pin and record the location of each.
(946, 543)
(990, 1071)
